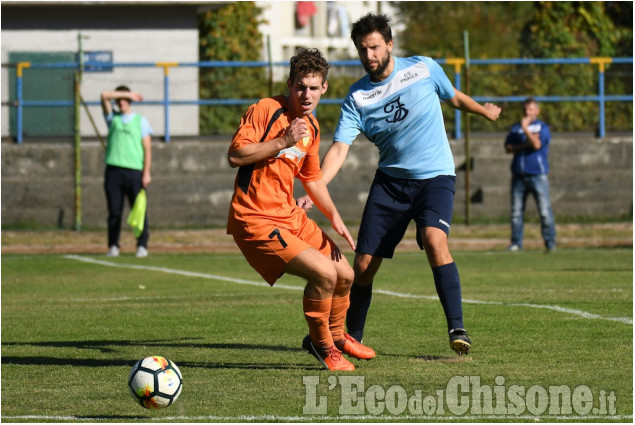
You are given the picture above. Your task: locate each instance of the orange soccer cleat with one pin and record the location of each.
(330, 357)
(354, 348)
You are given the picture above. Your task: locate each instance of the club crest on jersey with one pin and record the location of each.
(397, 109)
(291, 153)
(305, 141)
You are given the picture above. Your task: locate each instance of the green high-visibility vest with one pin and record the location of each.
(125, 144)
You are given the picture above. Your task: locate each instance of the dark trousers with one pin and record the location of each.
(120, 182)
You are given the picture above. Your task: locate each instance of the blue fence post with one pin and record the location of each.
(18, 88)
(166, 97)
(458, 63)
(601, 62)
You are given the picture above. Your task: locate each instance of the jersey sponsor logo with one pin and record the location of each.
(372, 95)
(402, 79)
(292, 153)
(397, 109)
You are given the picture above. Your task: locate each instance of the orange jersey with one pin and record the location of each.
(263, 191)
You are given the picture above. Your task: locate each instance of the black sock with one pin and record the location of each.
(356, 315)
(448, 284)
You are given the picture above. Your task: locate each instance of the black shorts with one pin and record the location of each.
(392, 203)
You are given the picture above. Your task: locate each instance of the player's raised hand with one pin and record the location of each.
(493, 111)
(297, 131)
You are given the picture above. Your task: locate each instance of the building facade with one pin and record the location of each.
(320, 24)
(115, 32)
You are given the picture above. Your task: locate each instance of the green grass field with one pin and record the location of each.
(72, 327)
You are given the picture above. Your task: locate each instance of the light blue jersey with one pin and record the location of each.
(402, 116)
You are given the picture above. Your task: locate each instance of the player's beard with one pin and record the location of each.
(381, 67)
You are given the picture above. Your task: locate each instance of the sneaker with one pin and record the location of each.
(142, 252)
(513, 248)
(550, 249)
(459, 341)
(113, 251)
(330, 357)
(354, 348)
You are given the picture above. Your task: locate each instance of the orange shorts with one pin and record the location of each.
(269, 251)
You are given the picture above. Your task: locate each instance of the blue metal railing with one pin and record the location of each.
(601, 98)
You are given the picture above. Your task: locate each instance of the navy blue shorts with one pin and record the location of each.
(392, 203)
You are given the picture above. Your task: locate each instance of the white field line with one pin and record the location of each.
(329, 418)
(580, 313)
(567, 310)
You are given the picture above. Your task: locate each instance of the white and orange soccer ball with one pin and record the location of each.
(155, 382)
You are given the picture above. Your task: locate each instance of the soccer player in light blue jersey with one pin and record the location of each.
(397, 107)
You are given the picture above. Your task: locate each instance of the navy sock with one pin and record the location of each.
(448, 284)
(356, 315)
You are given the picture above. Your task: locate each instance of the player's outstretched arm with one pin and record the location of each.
(465, 103)
(319, 193)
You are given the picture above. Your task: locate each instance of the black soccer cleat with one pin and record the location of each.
(459, 341)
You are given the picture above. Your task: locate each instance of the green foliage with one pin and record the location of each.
(230, 33)
(570, 29)
(542, 30)
(436, 29)
(574, 29)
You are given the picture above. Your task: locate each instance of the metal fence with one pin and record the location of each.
(459, 64)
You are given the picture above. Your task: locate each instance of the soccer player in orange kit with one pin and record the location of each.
(277, 141)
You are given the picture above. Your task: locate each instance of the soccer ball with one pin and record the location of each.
(155, 382)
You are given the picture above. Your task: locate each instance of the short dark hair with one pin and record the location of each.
(308, 61)
(528, 101)
(370, 23)
(122, 88)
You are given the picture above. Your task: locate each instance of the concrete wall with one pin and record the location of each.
(192, 183)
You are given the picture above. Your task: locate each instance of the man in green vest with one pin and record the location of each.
(128, 161)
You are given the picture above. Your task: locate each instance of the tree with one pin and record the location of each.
(537, 30)
(435, 29)
(577, 30)
(229, 33)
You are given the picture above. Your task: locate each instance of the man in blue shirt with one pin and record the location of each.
(529, 141)
(397, 107)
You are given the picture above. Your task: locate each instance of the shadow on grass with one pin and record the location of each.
(443, 359)
(57, 361)
(111, 346)
(111, 418)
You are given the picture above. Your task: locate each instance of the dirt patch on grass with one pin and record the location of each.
(473, 238)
